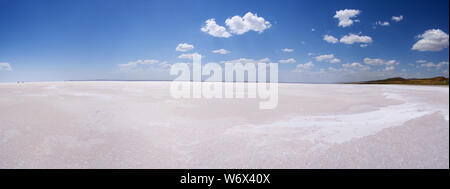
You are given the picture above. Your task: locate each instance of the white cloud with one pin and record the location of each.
(389, 68)
(287, 50)
(330, 39)
(240, 25)
(328, 58)
(391, 62)
(421, 61)
(134, 64)
(4, 66)
(345, 17)
(187, 56)
(144, 67)
(290, 60)
(246, 60)
(237, 25)
(350, 68)
(382, 23)
(215, 30)
(333, 69)
(184, 47)
(313, 30)
(428, 65)
(432, 65)
(321, 58)
(356, 65)
(380, 62)
(302, 67)
(165, 65)
(431, 40)
(221, 51)
(265, 60)
(334, 60)
(397, 18)
(441, 64)
(353, 38)
(363, 45)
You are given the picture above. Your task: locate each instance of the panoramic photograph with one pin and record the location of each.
(224, 84)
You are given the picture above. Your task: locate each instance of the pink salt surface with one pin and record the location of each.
(139, 125)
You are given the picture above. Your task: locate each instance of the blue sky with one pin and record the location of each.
(43, 40)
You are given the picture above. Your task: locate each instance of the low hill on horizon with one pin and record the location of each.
(440, 80)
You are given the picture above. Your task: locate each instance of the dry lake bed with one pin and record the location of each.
(139, 125)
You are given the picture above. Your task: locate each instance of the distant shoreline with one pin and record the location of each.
(99, 80)
(397, 80)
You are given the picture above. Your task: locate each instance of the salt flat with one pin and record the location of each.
(139, 125)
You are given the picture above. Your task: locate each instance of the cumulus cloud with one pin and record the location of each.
(441, 64)
(431, 40)
(4, 66)
(421, 61)
(333, 69)
(334, 60)
(240, 25)
(428, 65)
(432, 65)
(363, 45)
(290, 60)
(165, 65)
(221, 51)
(187, 56)
(265, 60)
(144, 67)
(397, 18)
(382, 23)
(327, 58)
(134, 64)
(380, 62)
(215, 30)
(246, 60)
(287, 50)
(321, 58)
(389, 68)
(330, 39)
(346, 16)
(184, 47)
(353, 38)
(237, 25)
(350, 68)
(302, 67)
(356, 65)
